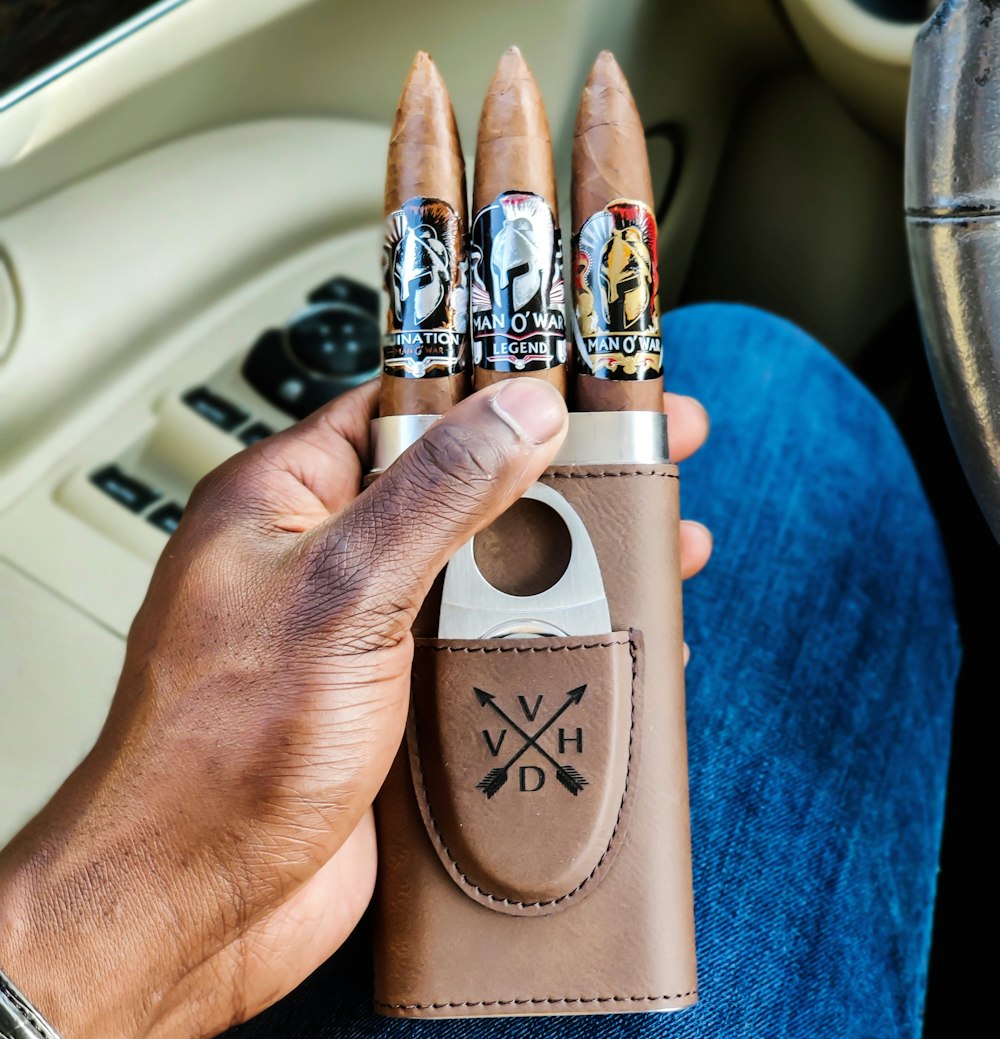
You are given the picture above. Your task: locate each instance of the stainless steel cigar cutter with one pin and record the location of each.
(471, 608)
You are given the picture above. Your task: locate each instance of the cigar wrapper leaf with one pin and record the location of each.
(618, 357)
(425, 268)
(518, 322)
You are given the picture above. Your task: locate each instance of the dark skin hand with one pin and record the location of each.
(217, 844)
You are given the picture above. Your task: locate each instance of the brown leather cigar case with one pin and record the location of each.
(534, 852)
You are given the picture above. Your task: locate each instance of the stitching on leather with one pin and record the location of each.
(525, 649)
(439, 837)
(597, 476)
(546, 1000)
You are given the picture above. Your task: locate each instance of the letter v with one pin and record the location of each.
(494, 750)
(530, 715)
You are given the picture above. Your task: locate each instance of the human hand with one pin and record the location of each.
(217, 845)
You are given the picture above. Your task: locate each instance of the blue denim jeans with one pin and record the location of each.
(824, 658)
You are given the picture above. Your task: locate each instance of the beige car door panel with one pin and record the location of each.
(134, 287)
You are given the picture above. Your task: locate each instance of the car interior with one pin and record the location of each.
(190, 222)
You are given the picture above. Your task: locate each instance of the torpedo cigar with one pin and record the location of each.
(618, 356)
(516, 282)
(425, 348)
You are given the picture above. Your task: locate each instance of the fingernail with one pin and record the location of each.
(531, 408)
(701, 407)
(701, 526)
(687, 399)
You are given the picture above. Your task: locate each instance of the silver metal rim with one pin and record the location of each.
(594, 438)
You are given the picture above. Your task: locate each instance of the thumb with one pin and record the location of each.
(373, 564)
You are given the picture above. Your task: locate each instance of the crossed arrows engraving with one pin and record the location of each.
(491, 783)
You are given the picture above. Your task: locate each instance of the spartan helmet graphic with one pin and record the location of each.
(522, 253)
(420, 272)
(627, 276)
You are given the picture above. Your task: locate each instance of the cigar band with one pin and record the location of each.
(426, 279)
(616, 317)
(518, 322)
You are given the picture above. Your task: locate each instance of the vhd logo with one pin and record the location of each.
(532, 777)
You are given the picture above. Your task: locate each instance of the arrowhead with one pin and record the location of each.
(483, 697)
(576, 695)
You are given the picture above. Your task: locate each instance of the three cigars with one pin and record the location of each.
(471, 304)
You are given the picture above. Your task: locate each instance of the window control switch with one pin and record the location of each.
(215, 409)
(166, 517)
(126, 490)
(347, 291)
(254, 432)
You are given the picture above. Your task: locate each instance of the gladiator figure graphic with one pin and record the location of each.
(421, 272)
(516, 289)
(617, 315)
(626, 279)
(615, 271)
(520, 252)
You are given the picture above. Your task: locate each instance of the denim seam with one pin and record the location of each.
(465, 880)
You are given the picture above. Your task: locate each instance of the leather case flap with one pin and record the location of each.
(521, 753)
